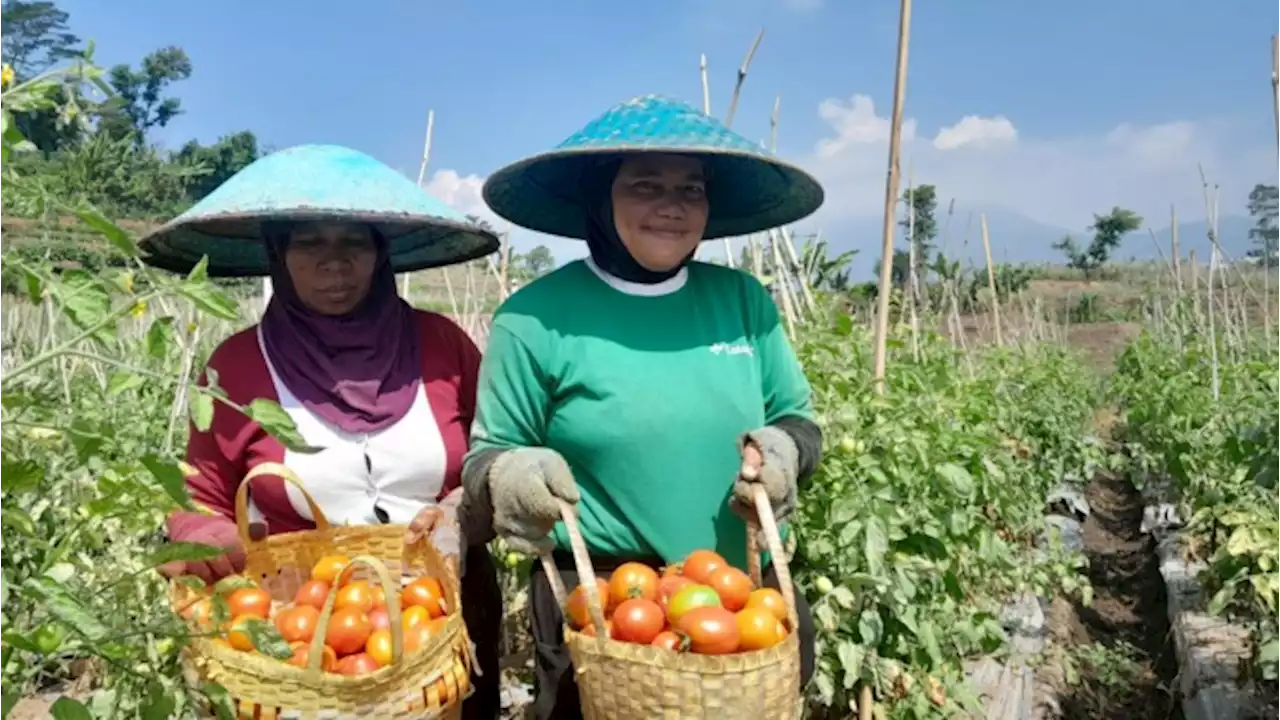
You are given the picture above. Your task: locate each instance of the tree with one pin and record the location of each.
(35, 37)
(1263, 209)
(1108, 232)
(922, 229)
(539, 261)
(219, 161)
(138, 105)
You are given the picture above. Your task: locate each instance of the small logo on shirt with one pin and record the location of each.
(732, 349)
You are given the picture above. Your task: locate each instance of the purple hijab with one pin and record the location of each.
(360, 371)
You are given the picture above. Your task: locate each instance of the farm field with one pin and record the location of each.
(991, 534)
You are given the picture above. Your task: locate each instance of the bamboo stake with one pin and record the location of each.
(1177, 251)
(991, 281)
(1213, 264)
(742, 77)
(1275, 84)
(810, 305)
(780, 281)
(422, 175)
(912, 280)
(706, 85)
(886, 240)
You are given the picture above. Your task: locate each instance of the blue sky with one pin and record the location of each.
(1075, 108)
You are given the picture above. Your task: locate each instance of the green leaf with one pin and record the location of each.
(65, 708)
(876, 545)
(207, 297)
(58, 601)
(170, 477)
(232, 582)
(84, 300)
(160, 703)
(199, 273)
(20, 475)
(1221, 599)
(958, 478)
(930, 641)
(267, 639)
(221, 701)
(277, 423)
(851, 657)
(109, 230)
(22, 642)
(123, 381)
(35, 286)
(160, 337)
(10, 700)
(200, 407)
(870, 628)
(17, 520)
(183, 551)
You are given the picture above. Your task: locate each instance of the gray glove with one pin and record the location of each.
(523, 487)
(777, 473)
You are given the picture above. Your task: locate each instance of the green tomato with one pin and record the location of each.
(848, 444)
(823, 584)
(512, 560)
(689, 598)
(48, 638)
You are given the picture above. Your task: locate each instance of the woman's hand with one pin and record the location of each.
(524, 485)
(770, 459)
(218, 532)
(439, 523)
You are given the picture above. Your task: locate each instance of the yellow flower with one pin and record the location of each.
(138, 310)
(6, 75)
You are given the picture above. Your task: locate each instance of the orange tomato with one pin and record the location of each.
(770, 600)
(579, 616)
(590, 629)
(417, 637)
(358, 594)
(671, 640)
(638, 620)
(758, 629)
(328, 657)
(378, 647)
(327, 568)
(348, 630)
(632, 580)
(411, 617)
(298, 624)
(380, 619)
(238, 636)
(254, 602)
(424, 592)
(313, 593)
(711, 630)
(200, 614)
(701, 563)
(379, 596)
(357, 664)
(732, 585)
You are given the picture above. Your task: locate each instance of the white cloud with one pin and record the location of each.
(986, 161)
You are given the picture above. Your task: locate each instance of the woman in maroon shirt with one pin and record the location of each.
(387, 392)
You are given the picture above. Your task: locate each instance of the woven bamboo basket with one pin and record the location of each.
(626, 681)
(432, 682)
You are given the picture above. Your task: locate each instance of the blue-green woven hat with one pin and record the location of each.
(314, 182)
(750, 189)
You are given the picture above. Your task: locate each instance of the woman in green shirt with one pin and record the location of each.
(647, 388)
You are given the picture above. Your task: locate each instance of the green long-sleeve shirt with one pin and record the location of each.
(645, 391)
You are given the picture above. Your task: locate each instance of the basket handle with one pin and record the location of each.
(284, 473)
(587, 576)
(390, 589)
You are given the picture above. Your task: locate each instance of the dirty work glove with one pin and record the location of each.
(217, 531)
(769, 458)
(523, 486)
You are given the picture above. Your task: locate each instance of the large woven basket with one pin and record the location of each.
(626, 681)
(430, 683)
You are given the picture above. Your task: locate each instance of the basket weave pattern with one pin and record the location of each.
(430, 683)
(626, 681)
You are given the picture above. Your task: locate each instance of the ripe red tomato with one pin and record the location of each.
(759, 629)
(638, 620)
(732, 585)
(300, 651)
(770, 600)
(254, 602)
(671, 640)
(379, 618)
(632, 580)
(298, 624)
(348, 630)
(357, 664)
(711, 630)
(313, 593)
(358, 594)
(700, 564)
(424, 592)
(690, 598)
(668, 586)
(579, 616)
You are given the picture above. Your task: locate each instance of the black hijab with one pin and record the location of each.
(607, 250)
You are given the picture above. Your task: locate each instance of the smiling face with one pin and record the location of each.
(331, 265)
(660, 208)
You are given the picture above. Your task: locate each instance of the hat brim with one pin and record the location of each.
(234, 243)
(747, 193)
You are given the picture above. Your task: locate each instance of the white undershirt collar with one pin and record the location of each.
(666, 287)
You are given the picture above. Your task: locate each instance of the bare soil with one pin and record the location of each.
(1128, 618)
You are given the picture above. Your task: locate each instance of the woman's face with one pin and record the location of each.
(660, 208)
(331, 265)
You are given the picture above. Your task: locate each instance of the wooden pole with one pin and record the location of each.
(422, 175)
(742, 77)
(1275, 84)
(886, 240)
(991, 281)
(1177, 249)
